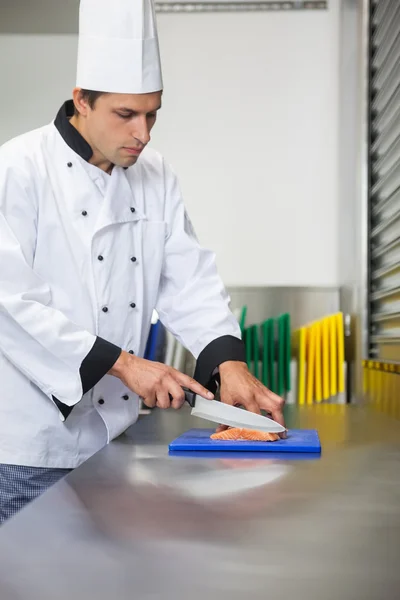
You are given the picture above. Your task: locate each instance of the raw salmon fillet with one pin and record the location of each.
(235, 433)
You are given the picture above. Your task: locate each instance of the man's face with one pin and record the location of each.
(118, 127)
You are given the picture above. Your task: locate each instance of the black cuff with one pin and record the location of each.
(98, 362)
(220, 350)
(94, 366)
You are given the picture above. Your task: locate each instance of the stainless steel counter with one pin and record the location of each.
(135, 523)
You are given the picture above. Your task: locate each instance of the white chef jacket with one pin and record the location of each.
(85, 258)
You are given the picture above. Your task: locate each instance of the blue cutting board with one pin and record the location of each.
(298, 440)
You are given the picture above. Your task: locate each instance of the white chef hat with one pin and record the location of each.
(118, 49)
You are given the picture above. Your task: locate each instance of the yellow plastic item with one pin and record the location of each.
(301, 364)
(318, 361)
(340, 339)
(310, 364)
(325, 359)
(333, 355)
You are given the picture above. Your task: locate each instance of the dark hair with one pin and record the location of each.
(90, 96)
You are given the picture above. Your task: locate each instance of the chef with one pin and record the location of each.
(94, 236)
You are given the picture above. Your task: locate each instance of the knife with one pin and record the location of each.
(225, 414)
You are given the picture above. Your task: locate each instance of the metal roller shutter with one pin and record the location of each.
(384, 181)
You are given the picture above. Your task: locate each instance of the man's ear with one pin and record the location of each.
(80, 102)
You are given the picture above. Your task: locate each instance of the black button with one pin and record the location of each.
(100, 257)
(104, 309)
(126, 397)
(131, 352)
(101, 401)
(133, 258)
(133, 209)
(69, 164)
(133, 305)
(84, 213)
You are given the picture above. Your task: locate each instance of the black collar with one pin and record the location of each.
(70, 135)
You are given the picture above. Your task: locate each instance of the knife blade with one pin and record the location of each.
(225, 414)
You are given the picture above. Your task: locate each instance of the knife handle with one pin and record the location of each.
(190, 397)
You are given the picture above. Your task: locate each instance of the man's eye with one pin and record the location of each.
(124, 116)
(152, 115)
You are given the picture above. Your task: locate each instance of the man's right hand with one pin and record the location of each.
(154, 382)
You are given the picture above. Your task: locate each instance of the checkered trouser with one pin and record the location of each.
(20, 485)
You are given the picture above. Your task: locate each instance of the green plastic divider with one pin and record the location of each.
(288, 353)
(248, 344)
(281, 355)
(268, 376)
(273, 337)
(272, 359)
(256, 349)
(242, 321)
(265, 354)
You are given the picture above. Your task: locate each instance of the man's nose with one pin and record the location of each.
(141, 131)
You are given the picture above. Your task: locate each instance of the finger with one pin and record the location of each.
(277, 409)
(278, 399)
(252, 406)
(194, 386)
(273, 404)
(163, 400)
(249, 403)
(221, 428)
(150, 400)
(176, 395)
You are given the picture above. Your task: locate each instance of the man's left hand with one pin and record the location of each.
(240, 388)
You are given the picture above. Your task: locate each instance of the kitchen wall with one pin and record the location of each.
(250, 122)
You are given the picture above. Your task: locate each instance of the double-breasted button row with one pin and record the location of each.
(84, 212)
(105, 308)
(101, 258)
(132, 304)
(124, 397)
